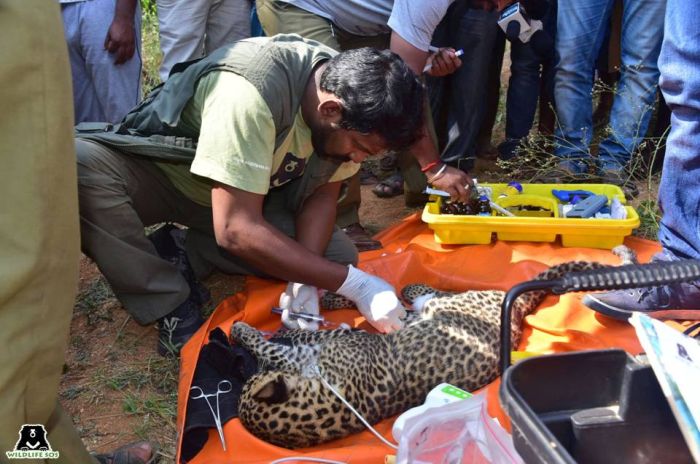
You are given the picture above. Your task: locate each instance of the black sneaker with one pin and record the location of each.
(177, 327)
(170, 245)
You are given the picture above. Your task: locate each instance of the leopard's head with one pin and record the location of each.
(290, 410)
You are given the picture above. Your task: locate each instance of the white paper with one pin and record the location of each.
(675, 359)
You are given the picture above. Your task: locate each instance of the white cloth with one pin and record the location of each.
(190, 29)
(416, 20)
(102, 91)
(413, 20)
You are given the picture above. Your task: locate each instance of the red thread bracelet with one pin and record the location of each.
(429, 166)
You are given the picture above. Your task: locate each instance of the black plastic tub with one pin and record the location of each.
(600, 406)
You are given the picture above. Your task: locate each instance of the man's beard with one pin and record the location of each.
(319, 140)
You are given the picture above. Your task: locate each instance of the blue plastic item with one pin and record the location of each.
(567, 196)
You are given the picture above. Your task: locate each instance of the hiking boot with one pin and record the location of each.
(170, 245)
(177, 327)
(361, 238)
(679, 300)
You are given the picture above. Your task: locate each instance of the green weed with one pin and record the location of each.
(92, 302)
(150, 46)
(649, 217)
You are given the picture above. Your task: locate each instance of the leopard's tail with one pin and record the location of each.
(528, 302)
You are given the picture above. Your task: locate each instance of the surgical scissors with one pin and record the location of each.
(224, 386)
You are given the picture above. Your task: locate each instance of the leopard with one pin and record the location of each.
(454, 337)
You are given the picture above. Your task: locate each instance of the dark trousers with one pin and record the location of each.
(458, 101)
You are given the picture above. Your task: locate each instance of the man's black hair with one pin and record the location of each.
(380, 94)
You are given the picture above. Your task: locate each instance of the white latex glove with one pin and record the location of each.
(375, 299)
(299, 298)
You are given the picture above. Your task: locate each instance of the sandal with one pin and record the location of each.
(389, 187)
(130, 454)
(367, 177)
(361, 238)
(388, 163)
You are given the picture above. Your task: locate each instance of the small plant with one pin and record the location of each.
(94, 301)
(649, 217)
(151, 55)
(170, 324)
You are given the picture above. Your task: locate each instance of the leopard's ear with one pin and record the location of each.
(272, 391)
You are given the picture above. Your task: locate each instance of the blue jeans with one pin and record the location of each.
(461, 97)
(679, 191)
(580, 31)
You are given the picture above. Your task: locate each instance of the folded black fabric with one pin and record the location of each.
(218, 360)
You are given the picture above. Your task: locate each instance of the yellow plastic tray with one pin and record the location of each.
(591, 233)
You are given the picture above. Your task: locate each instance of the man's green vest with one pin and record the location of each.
(278, 67)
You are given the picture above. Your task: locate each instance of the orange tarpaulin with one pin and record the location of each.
(411, 255)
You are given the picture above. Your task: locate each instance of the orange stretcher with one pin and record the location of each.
(411, 255)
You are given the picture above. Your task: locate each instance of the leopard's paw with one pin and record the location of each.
(243, 334)
(331, 300)
(626, 254)
(412, 292)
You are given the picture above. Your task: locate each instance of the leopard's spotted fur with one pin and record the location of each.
(409, 294)
(455, 340)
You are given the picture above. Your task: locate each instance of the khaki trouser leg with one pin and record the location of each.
(282, 18)
(119, 195)
(38, 224)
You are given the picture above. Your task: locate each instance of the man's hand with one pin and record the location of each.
(120, 40)
(453, 181)
(299, 298)
(444, 62)
(121, 36)
(375, 299)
